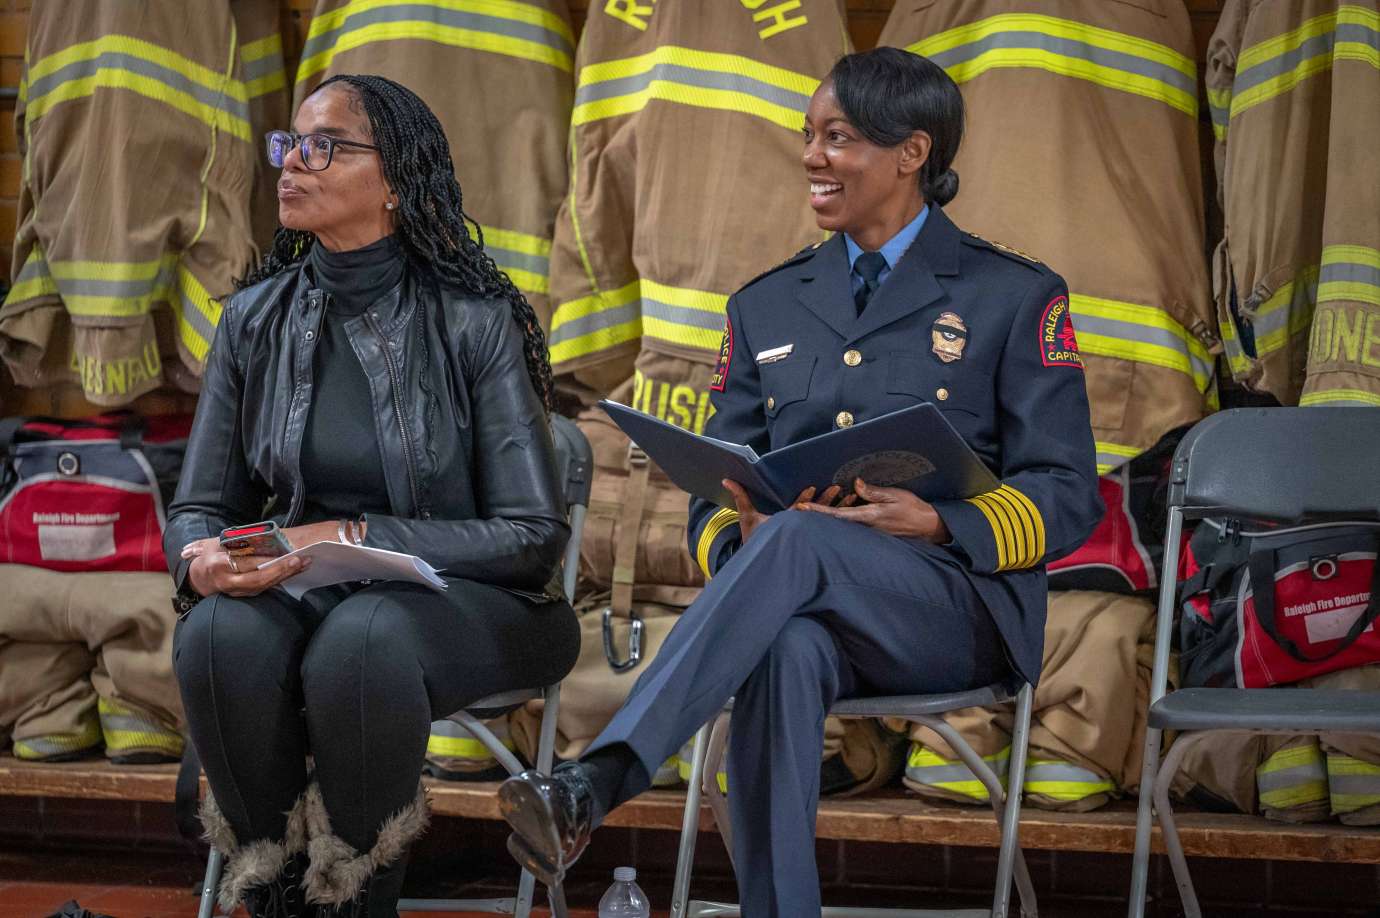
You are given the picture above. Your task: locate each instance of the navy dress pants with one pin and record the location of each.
(810, 610)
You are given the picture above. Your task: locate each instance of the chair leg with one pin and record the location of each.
(690, 826)
(1172, 845)
(1010, 855)
(556, 896)
(522, 905)
(718, 803)
(214, 864)
(1140, 862)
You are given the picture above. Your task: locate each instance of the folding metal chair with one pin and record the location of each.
(575, 460)
(1282, 465)
(711, 742)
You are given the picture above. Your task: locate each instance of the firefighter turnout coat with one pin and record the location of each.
(1082, 149)
(499, 78)
(134, 202)
(1294, 88)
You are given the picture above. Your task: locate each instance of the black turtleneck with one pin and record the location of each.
(342, 467)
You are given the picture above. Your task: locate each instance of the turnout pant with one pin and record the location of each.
(810, 610)
(354, 679)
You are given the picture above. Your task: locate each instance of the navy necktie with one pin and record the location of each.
(869, 267)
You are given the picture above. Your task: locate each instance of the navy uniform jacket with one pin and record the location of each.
(984, 334)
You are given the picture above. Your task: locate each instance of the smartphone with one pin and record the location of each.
(259, 539)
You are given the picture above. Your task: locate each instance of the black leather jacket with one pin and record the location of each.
(466, 448)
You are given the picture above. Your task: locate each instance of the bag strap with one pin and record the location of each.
(129, 427)
(625, 553)
(1262, 565)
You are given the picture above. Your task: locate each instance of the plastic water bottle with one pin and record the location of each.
(625, 899)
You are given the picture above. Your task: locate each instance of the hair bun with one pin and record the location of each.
(944, 188)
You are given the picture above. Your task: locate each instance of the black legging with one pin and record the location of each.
(372, 669)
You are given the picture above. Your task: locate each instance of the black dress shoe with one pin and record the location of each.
(552, 817)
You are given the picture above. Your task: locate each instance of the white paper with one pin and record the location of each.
(336, 562)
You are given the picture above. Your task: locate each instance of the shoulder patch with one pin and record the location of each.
(719, 381)
(1015, 255)
(798, 257)
(1058, 343)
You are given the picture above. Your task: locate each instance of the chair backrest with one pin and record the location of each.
(575, 462)
(1282, 464)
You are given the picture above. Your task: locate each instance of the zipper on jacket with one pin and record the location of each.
(299, 494)
(395, 382)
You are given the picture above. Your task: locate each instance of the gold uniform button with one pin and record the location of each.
(844, 419)
(771, 402)
(941, 393)
(852, 357)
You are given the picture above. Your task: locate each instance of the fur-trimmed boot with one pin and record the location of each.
(345, 883)
(266, 875)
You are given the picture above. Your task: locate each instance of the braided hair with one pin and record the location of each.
(432, 228)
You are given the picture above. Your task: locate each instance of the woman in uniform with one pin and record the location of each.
(874, 592)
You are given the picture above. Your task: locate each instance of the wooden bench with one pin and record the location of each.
(891, 816)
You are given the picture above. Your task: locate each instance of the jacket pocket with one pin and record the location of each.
(949, 391)
(786, 382)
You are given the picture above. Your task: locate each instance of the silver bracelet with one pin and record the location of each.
(356, 528)
(340, 532)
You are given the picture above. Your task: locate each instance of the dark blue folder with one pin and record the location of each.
(914, 448)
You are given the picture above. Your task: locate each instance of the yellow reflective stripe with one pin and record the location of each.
(261, 48)
(579, 327)
(423, 29)
(721, 520)
(1276, 52)
(515, 241)
(125, 729)
(48, 745)
(1219, 104)
(1064, 781)
(1353, 783)
(1145, 334)
(193, 329)
(1017, 527)
(34, 279)
(683, 316)
(704, 79)
(927, 767)
(1114, 455)
(1340, 397)
(459, 747)
(214, 98)
(1362, 257)
(1292, 776)
(1067, 48)
(269, 48)
(1298, 298)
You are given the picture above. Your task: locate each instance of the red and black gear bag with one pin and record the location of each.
(88, 495)
(1273, 607)
(1124, 553)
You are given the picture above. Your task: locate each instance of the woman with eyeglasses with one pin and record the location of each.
(377, 380)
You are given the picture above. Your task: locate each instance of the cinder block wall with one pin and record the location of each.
(865, 21)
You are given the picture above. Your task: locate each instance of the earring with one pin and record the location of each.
(389, 206)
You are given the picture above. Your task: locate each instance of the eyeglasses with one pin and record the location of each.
(317, 149)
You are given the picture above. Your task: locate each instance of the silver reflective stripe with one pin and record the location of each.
(193, 316)
(1344, 271)
(690, 76)
(1312, 47)
(425, 12)
(596, 321)
(117, 289)
(1144, 334)
(35, 267)
(1303, 297)
(1354, 785)
(949, 774)
(114, 60)
(1068, 47)
(681, 315)
(522, 261)
(264, 66)
(1268, 782)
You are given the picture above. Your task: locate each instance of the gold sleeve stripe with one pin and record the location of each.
(1004, 530)
(1018, 529)
(1020, 521)
(1037, 522)
(721, 520)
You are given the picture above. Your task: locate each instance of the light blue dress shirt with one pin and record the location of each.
(892, 250)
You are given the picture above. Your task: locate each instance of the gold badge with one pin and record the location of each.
(948, 337)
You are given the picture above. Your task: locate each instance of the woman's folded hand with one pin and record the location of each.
(895, 511)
